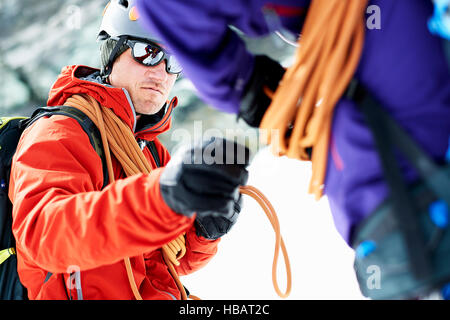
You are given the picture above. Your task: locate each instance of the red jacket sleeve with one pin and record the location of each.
(62, 218)
(199, 251)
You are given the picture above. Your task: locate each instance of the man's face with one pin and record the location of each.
(149, 87)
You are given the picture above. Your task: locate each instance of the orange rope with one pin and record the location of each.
(271, 215)
(327, 56)
(117, 137)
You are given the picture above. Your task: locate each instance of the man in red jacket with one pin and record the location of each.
(63, 218)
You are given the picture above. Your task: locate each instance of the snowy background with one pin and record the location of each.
(38, 38)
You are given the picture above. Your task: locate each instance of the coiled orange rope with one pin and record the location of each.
(117, 137)
(327, 56)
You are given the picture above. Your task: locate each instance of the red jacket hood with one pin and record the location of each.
(81, 79)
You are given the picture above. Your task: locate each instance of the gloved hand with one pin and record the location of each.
(205, 180)
(254, 102)
(213, 227)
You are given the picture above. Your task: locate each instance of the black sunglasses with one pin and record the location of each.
(150, 55)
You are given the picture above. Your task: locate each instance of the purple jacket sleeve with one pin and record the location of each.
(213, 57)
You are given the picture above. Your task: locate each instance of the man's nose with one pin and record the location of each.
(157, 72)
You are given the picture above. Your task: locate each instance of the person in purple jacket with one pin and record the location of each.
(402, 65)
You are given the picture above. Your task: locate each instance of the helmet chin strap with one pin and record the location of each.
(106, 70)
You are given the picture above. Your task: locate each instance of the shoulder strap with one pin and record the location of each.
(85, 122)
(152, 147)
(388, 134)
(435, 176)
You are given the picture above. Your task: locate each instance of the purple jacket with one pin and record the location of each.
(402, 64)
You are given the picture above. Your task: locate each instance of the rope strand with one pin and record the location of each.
(271, 215)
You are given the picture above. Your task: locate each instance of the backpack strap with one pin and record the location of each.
(387, 135)
(152, 147)
(85, 122)
(435, 176)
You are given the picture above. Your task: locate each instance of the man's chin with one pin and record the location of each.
(149, 109)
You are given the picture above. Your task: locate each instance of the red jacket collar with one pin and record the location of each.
(72, 80)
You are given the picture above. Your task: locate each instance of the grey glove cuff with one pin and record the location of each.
(215, 226)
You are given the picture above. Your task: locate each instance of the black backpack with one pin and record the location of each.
(10, 131)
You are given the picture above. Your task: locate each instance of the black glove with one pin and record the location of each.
(205, 179)
(254, 102)
(213, 227)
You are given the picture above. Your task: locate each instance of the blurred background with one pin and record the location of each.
(38, 38)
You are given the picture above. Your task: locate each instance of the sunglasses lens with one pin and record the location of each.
(150, 55)
(173, 66)
(147, 54)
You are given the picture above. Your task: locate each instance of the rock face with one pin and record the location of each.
(38, 38)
